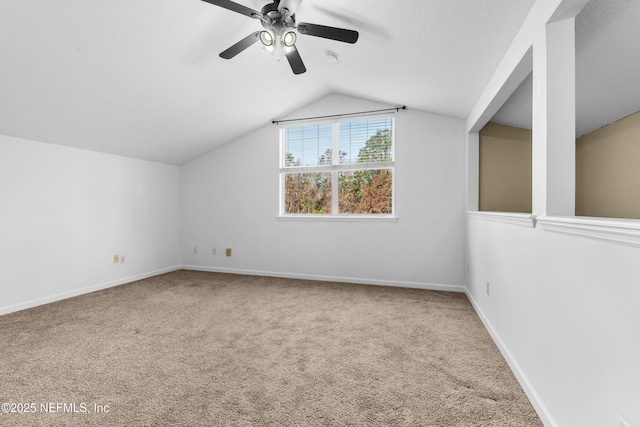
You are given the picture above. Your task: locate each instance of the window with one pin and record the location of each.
(357, 181)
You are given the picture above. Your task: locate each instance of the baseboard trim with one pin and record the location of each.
(64, 295)
(534, 398)
(323, 278)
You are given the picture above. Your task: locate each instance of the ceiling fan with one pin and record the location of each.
(279, 34)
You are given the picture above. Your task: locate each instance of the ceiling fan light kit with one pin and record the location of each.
(279, 34)
(266, 38)
(289, 39)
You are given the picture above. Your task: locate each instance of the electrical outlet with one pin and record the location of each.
(213, 251)
(116, 259)
(228, 251)
(488, 288)
(122, 259)
(195, 249)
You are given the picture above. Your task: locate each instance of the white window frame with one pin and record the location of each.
(335, 168)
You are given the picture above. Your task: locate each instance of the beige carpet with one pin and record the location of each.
(191, 348)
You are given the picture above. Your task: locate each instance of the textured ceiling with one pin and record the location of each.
(143, 78)
(607, 68)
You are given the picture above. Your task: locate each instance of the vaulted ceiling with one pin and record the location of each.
(143, 78)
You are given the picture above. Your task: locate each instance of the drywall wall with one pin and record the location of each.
(66, 212)
(230, 198)
(505, 168)
(562, 306)
(607, 172)
(566, 309)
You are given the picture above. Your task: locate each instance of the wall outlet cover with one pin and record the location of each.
(228, 251)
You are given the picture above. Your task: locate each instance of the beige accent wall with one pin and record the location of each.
(608, 170)
(505, 169)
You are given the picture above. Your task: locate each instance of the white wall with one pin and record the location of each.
(563, 300)
(566, 308)
(65, 212)
(230, 199)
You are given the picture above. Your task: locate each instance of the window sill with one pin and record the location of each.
(338, 218)
(521, 219)
(619, 231)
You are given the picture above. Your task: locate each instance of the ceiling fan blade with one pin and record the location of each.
(235, 7)
(333, 33)
(297, 66)
(241, 45)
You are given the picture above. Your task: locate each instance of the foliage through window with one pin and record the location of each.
(357, 181)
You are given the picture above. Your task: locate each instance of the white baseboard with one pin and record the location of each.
(57, 297)
(534, 398)
(323, 278)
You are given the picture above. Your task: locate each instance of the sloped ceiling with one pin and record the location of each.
(143, 78)
(607, 69)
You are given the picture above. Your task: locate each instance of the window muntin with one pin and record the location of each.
(363, 170)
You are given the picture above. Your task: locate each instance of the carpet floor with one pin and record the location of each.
(193, 348)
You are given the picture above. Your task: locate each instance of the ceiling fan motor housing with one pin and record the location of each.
(274, 19)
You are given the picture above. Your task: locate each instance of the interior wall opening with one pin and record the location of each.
(608, 110)
(505, 155)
